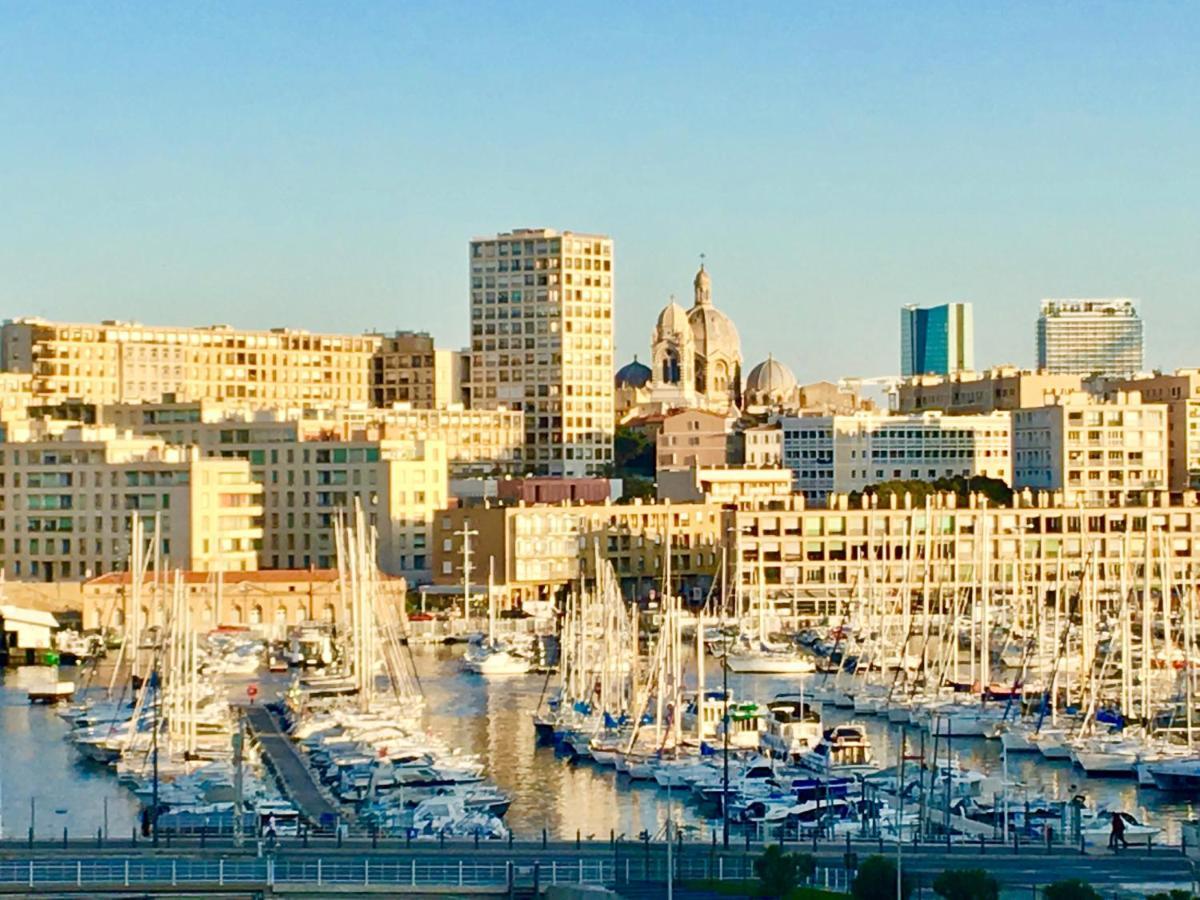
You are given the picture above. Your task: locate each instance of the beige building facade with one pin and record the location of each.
(839, 454)
(694, 437)
(1109, 452)
(110, 362)
(539, 551)
(68, 502)
(999, 388)
(1180, 392)
(723, 484)
(826, 558)
(542, 343)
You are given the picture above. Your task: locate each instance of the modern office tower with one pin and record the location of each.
(1096, 452)
(70, 494)
(1089, 337)
(542, 343)
(938, 340)
(840, 454)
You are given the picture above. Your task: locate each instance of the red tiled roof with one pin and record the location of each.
(263, 576)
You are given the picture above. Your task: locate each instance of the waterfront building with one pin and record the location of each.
(998, 388)
(112, 362)
(690, 437)
(1180, 392)
(408, 369)
(722, 484)
(1097, 452)
(1089, 337)
(69, 497)
(537, 552)
(542, 343)
(845, 551)
(840, 454)
(937, 340)
(269, 602)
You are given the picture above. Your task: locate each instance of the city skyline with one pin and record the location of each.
(850, 160)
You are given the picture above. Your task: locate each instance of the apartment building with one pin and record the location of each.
(695, 437)
(1180, 392)
(408, 369)
(542, 343)
(840, 454)
(68, 500)
(1097, 452)
(112, 362)
(829, 558)
(537, 552)
(478, 442)
(763, 446)
(723, 484)
(15, 396)
(1089, 337)
(998, 388)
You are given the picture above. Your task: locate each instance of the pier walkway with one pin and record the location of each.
(295, 778)
(524, 868)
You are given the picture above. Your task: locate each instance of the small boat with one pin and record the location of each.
(60, 692)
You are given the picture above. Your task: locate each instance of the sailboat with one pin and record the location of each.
(491, 656)
(760, 656)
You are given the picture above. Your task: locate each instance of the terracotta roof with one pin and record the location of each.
(264, 576)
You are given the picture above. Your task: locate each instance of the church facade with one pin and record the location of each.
(696, 359)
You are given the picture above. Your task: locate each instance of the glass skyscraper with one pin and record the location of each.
(938, 340)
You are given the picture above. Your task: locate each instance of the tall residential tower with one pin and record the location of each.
(1089, 337)
(939, 340)
(542, 343)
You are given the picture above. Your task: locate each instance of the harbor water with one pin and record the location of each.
(43, 776)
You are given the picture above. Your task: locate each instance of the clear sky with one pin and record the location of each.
(323, 165)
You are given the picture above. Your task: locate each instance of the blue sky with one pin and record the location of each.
(323, 165)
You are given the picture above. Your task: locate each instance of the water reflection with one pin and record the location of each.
(38, 765)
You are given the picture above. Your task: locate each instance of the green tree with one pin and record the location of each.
(1175, 894)
(633, 453)
(966, 884)
(779, 872)
(1070, 889)
(876, 880)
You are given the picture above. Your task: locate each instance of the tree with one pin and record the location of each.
(779, 872)
(876, 880)
(1070, 889)
(966, 884)
(633, 453)
(1175, 894)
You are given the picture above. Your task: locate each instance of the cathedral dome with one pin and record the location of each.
(633, 375)
(672, 320)
(715, 332)
(770, 382)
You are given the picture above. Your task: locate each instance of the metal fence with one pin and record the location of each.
(268, 871)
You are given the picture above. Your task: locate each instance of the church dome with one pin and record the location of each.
(715, 332)
(672, 320)
(633, 375)
(770, 382)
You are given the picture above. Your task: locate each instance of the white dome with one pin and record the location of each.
(672, 320)
(770, 382)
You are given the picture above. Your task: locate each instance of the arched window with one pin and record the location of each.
(256, 615)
